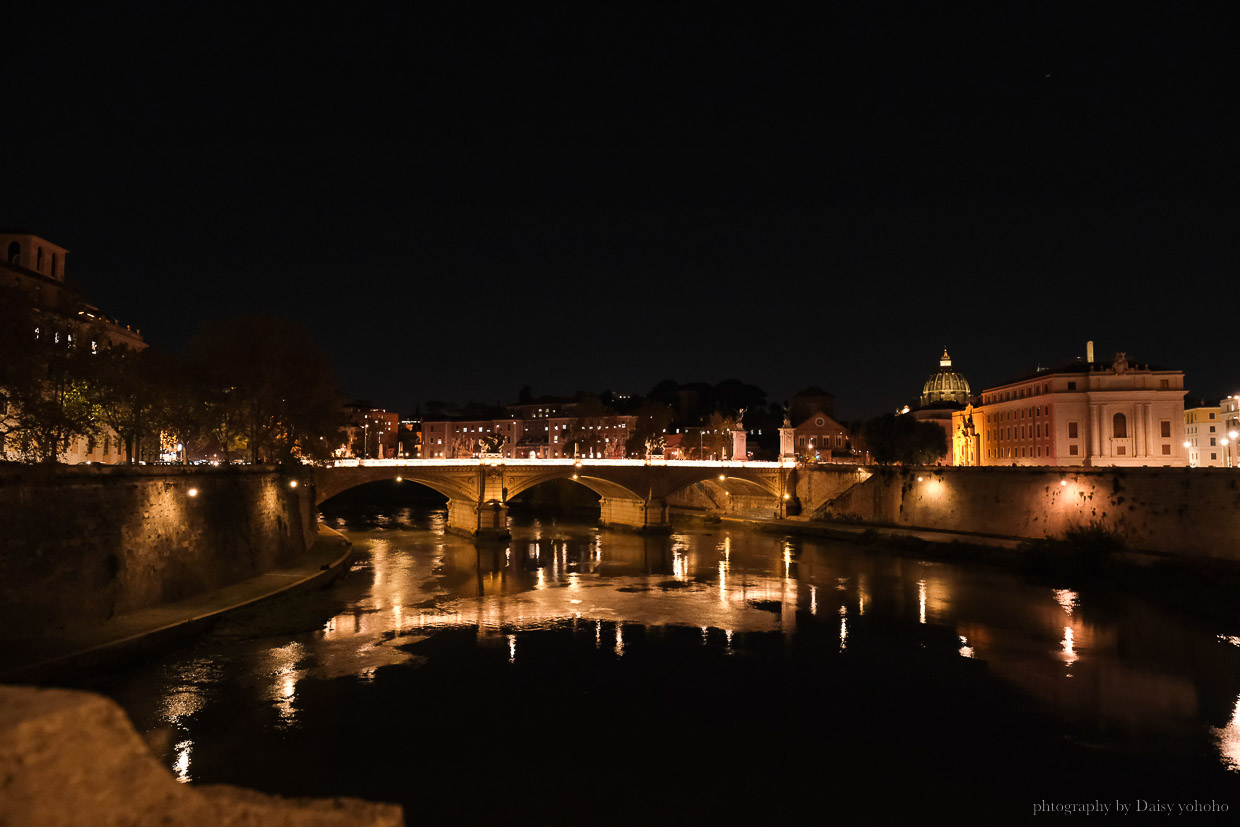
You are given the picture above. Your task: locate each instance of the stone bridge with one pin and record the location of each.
(633, 492)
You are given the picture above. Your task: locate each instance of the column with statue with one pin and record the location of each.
(740, 452)
(787, 439)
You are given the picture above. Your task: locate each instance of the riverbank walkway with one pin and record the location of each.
(130, 636)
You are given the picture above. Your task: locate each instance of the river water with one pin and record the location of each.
(577, 675)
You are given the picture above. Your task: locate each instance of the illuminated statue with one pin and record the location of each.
(655, 444)
(491, 444)
(740, 415)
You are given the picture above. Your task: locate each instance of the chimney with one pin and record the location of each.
(1089, 351)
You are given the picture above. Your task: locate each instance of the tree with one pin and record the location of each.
(182, 407)
(125, 392)
(45, 371)
(718, 436)
(584, 435)
(903, 439)
(268, 381)
(653, 419)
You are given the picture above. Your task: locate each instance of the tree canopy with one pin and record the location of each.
(902, 439)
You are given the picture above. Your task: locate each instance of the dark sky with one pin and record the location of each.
(459, 199)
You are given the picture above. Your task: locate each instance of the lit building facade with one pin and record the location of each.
(820, 438)
(371, 433)
(540, 437)
(36, 267)
(1229, 413)
(1085, 413)
(1203, 428)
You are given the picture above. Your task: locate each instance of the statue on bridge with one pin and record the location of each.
(491, 444)
(740, 424)
(655, 445)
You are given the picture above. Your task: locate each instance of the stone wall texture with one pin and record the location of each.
(82, 544)
(1183, 511)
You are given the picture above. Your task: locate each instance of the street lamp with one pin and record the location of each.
(1226, 444)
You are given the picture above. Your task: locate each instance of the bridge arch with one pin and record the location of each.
(602, 487)
(330, 482)
(736, 481)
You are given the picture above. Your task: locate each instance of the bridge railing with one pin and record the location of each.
(567, 461)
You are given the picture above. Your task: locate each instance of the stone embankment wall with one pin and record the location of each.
(1186, 511)
(81, 544)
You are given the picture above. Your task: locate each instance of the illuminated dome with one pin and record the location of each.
(945, 386)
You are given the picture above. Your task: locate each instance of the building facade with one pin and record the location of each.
(1203, 428)
(1229, 413)
(36, 268)
(541, 437)
(1085, 413)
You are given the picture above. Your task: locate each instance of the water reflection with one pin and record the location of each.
(1126, 675)
(1229, 739)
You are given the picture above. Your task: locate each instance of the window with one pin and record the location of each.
(1211, 429)
(1072, 450)
(1211, 416)
(1119, 426)
(1211, 441)
(1166, 450)
(1071, 386)
(1072, 432)
(1213, 456)
(15, 252)
(1121, 450)
(1164, 383)
(1166, 428)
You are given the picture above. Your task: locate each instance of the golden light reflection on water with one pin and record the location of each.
(181, 765)
(1067, 599)
(843, 628)
(1228, 739)
(728, 585)
(284, 672)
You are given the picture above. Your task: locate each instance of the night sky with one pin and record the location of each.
(459, 199)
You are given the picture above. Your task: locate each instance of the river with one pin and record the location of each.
(720, 674)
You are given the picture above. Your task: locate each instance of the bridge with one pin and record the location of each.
(633, 492)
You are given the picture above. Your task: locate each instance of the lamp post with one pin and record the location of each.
(1187, 446)
(1226, 443)
(1232, 435)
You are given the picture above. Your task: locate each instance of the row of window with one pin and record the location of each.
(1021, 413)
(15, 254)
(1020, 393)
(1119, 430)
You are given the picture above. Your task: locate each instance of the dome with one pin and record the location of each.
(945, 385)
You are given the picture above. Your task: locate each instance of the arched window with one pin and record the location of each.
(38, 259)
(15, 252)
(1120, 427)
(54, 263)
